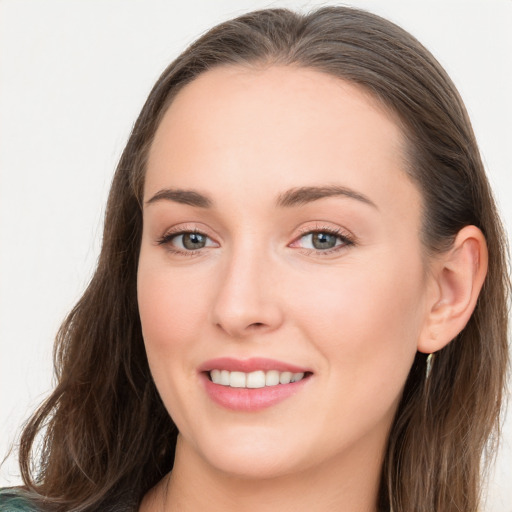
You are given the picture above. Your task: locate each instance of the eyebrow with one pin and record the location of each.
(303, 195)
(294, 197)
(190, 197)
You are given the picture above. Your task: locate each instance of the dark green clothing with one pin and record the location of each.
(12, 500)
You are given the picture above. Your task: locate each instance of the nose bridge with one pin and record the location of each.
(246, 299)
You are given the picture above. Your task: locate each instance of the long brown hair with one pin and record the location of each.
(106, 436)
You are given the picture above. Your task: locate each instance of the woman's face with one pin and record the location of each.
(281, 236)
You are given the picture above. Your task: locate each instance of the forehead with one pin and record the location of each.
(252, 101)
(233, 128)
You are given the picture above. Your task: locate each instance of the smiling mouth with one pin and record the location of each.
(256, 379)
(251, 385)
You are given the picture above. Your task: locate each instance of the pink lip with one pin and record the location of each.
(249, 400)
(249, 365)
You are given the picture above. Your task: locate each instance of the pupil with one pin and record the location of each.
(324, 241)
(193, 241)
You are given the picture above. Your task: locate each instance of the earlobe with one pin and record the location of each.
(457, 276)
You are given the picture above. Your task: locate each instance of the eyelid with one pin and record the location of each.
(347, 238)
(188, 227)
(182, 229)
(324, 227)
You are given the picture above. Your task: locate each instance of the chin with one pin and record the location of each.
(255, 456)
(253, 466)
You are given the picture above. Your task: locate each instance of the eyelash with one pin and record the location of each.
(169, 236)
(346, 241)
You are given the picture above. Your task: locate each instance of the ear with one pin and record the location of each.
(456, 278)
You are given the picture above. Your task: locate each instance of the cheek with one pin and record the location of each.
(365, 319)
(171, 316)
(169, 310)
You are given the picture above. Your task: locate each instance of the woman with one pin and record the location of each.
(303, 267)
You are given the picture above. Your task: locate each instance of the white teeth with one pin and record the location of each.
(252, 380)
(237, 379)
(272, 378)
(285, 378)
(215, 375)
(224, 378)
(256, 379)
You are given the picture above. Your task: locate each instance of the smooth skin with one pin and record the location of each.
(253, 281)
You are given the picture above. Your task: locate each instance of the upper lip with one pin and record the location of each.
(249, 365)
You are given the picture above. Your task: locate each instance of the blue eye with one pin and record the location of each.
(186, 241)
(324, 241)
(192, 241)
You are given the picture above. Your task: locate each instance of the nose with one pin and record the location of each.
(247, 300)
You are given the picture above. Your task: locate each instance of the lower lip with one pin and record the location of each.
(249, 399)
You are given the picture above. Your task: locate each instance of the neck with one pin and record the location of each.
(347, 483)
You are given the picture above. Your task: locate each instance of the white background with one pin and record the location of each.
(73, 77)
